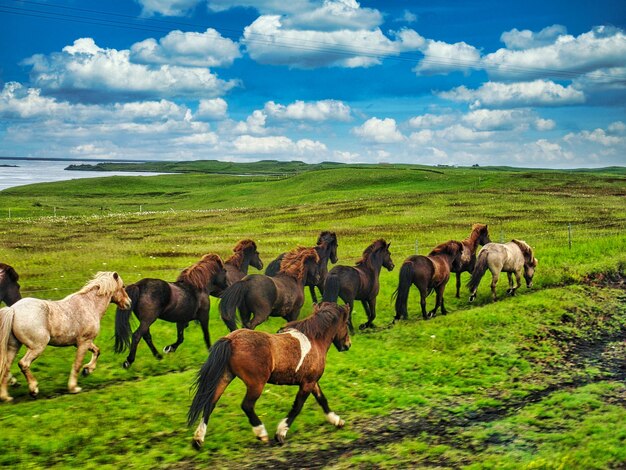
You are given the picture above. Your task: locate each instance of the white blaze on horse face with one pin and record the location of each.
(305, 345)
(260, 432)
(282, 428)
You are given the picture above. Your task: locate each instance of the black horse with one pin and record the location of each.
(360, 282)
(9, 287)
(326, 249)
(245, 254)
(178, 302)
(263, 296)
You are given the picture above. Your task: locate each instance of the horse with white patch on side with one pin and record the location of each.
(296, 355)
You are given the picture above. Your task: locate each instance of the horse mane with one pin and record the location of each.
(107, 283)
(9, 271)
(370, 250)
(318, 324)
(527, 252)
(293, 262)
(327, 237)
(199, 274)
(451, 248)
(238, 251)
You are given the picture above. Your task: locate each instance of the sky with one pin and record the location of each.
(439, 82)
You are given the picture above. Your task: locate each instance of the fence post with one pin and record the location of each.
(140, 208)
(416, 246)
(569, 235)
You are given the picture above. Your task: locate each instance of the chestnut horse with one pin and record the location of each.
(360, 282)
(515, 257)
(72, 321)
(281, 295)
(244, 254)
(427, 273)
(9, 287)
(179, 302)
(478, 236)
(326, 249)
(296, 355)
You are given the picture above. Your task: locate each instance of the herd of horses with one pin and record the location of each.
(296, 355)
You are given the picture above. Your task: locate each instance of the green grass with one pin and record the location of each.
(554, 407)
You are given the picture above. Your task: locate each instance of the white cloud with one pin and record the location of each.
(422, 137)
(84, 71)
(324, 110)
(190, 49)
(430, 120)
(346, 157)
(254, 124)
(382, 131)
(526, 39)
(544, 124)
(598, 136)
(264, 6)
(247, 144)
(497, 94)
(167, 7)
(202, 138)
(441, 57)
(335, 16)
(617, 127)
(212, 109)
(408, 17)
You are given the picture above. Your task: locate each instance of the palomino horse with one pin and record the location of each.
(326, 249)
(245, 254)
(427, 273)
(178, 302)
(360, 282)
(296, 355)
(478, 236)
(515, 257)
(72, 321)
(9, 287)
(281, 295)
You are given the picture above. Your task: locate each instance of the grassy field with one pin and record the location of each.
(533, 381)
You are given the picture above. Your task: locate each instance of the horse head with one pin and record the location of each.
(342, 335)
(530, 262)
(255, 258)
(329, 240)
(483, 234)
(9, 287)
(387, 261)
(120, 296)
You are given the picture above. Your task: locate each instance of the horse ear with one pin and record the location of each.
(388, 245)
(116, 276)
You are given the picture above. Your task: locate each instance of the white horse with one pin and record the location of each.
(515, 257)
(72, 321)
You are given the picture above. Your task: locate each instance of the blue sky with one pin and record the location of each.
(531, 84)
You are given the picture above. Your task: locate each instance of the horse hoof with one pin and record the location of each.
(280, 440)
(6, 399)
(126, 365)
(34, 393)
(168, 349)
(13, 382)
(75, 390)
(197, 444)
(159, 357)
(363, 326)
(472, 298)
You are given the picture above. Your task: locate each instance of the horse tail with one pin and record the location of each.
(231, 301)
(331, 288)
(6, 327)
(401, 294)
(273, 268)
(479, 271)
(122, 320)
(208, 379)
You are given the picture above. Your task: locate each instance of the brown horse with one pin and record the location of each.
(326, 249)
(179, 302)
(360, 282)
(72, 321)
(296, 355)
(281, 295)
(478, 236)
(515, 257)
(427, 273)
(9, 287)
(245, 254)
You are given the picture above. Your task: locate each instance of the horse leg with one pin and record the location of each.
(511, 291)
(253, 393)
(91, 365)
(331, 417)
(370, 310)
(203, 319)
(518, 278)
(494, 281)
(423, 295)
(260, 315)
(458, 285)
(313, 294)
(144, 326)
(5, 376)
(147, 337)
(283, 426)
(180, 337)
(198, 436)
(81, 350)
(438, 300)
(25, 362)
(351, 304)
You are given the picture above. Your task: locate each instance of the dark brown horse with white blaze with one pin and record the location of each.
(360, 282)
(478, 236)
(9, 285)
(179, 302)
(296, 355)
(515, 257)
(427, 273)
(245, 254)
(258, 296)
(326, 249)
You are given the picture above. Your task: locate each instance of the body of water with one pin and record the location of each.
(43, 171)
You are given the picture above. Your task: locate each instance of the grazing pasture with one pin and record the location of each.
(534, 380)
